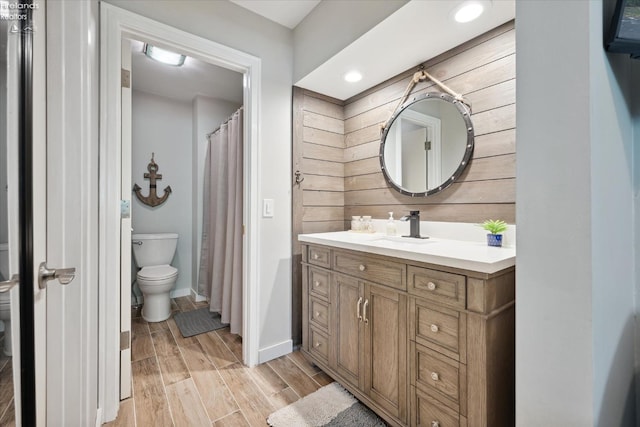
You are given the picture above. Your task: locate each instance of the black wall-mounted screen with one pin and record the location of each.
(624, 33)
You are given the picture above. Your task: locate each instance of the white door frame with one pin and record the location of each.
(115, 25)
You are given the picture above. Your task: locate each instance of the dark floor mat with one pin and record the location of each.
(198, 321)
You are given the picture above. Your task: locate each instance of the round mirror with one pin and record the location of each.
(427, 144)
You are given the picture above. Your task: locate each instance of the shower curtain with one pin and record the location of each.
(220, 276)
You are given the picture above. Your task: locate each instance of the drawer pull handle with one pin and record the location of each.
(364, 312)
(358, 309)
(431, 286)
(316, 283)
(434, 328)
(317, 345)
(362, 267)
(435, 424)
(316, 256)
(435, 376)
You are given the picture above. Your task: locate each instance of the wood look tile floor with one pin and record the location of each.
(201, 381)
(7, 409)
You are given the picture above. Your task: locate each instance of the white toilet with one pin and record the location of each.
(5, 299)
(153, 253)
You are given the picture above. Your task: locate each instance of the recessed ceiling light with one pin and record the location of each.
(468, 11)
(353, 76)
(164, 56)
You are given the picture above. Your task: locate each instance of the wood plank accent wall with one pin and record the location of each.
(318, 202)
(483, 70)
(320, 158)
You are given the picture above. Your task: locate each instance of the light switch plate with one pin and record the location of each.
(267, 208)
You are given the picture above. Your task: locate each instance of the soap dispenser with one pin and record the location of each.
(391, 225)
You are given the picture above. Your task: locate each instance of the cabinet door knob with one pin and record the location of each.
(434, 328)
(431, 286)
(316, 256)
(362, 267)
(435, 424)
(317, 345)
(317, 314)
(435, 376)
(316, 283)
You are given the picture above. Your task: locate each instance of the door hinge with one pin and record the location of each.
(427, 145)
(125, 209)
(125, 78)
(124, 340)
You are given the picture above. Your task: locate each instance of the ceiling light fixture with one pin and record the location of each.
(468, 11)
(353, 76)
(164, 56)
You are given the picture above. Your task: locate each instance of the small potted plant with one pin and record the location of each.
(495, 228)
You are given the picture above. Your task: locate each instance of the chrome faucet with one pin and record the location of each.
(414, 224)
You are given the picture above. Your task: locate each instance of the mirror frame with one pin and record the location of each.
(465, 112)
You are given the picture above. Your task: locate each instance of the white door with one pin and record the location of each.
(24, 136)
(13, 165)
(66, 212)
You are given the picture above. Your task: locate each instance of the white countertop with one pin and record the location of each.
(467, 255)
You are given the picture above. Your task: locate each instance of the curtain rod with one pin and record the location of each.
(223, 123)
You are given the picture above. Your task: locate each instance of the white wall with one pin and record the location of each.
(164, 126)
(611, 203)
(575, 277)
(4, 238)
(333, 25)
(635, 71)
(233, 26)
(208, 114)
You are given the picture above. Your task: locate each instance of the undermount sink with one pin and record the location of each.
(407, 240)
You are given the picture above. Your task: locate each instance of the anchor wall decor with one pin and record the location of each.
(152, 199)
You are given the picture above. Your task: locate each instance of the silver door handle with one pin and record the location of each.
(64, 275)
(8, 284)
(364, 312)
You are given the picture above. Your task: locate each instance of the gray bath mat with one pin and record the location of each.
(329, 406)
(197, 322)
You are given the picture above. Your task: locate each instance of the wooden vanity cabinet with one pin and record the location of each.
(422, 345)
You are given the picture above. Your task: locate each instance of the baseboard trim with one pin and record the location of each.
(275, 351)
(181, 293)
(197, 297)
(98, 417)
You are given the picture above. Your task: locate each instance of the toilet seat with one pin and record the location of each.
(157, 273)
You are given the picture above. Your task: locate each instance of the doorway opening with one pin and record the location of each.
(118, 25)
(186, 210)
(174, 109)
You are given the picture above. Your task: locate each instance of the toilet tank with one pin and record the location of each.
(154, 248)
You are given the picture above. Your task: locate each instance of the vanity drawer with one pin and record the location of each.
(438, 328)
(319, 314)
(318, 344)
(370, 268)
(429, 412)
(319, 255)
(319, 283)
(438, 375)
(437, 286)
